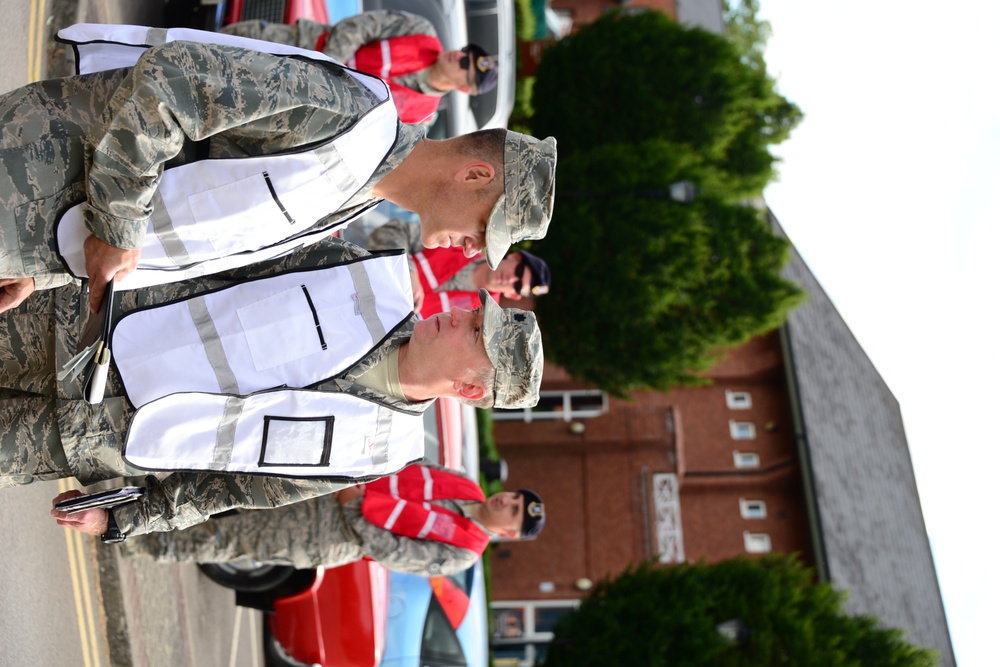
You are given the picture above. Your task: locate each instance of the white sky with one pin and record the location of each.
(890, 190)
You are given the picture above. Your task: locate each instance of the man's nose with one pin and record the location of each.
(471, 247)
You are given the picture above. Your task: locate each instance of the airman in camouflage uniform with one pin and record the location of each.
(327, 531)
(342, 40)
(48, 430)
(106, 137)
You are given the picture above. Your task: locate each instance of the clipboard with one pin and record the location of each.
(102, 499)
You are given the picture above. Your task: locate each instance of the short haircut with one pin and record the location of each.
(486, 145)
(486, 377)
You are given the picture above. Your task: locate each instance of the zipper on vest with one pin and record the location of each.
(274, 196)
(319, 329)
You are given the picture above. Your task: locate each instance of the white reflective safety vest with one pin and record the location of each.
(214, 215)
(221, 379)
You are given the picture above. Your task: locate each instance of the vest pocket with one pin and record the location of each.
(296, 441)
(282, 328)
(245, 215)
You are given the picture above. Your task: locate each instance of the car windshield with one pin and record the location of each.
(440, 646)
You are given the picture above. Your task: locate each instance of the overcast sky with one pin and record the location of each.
(890, 190)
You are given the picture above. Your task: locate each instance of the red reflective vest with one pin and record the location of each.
(400, 504)
(436, 266)
(387, 58)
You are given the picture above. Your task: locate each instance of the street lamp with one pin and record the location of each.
(683, 192)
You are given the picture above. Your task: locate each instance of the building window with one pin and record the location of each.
(738, 400)
(746, 459)
(521, 631)
(564, 405)
(742, 430)
(753, 509)
(757, 543)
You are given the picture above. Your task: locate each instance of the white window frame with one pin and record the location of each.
(529, 635)
(746, 459)
(738, 400)
(756, 543)
(753, 509)
(567, 414)
(742, 430)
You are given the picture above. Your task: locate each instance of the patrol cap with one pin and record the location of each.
(514, 346)
(540, 276)
(484, 66)
(524, 208)
(534, 514)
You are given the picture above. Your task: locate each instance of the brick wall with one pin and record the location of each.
(597, 485)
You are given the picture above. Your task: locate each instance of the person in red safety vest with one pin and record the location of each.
(444, 278)
(424, 520)
(399, 47)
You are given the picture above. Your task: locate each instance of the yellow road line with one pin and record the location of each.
(36, 39)
(81, 591)
(33, 16)
(40, 41)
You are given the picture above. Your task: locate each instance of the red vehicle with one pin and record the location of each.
(276, 11)
(209, 15)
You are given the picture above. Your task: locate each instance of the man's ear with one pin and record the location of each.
(481, 172)
(469, 390)
(510, 534)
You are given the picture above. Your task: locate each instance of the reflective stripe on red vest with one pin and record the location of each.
(396, 56)
(401, 504)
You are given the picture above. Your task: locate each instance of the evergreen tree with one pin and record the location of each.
(646, 290)
(629, 78)
(670, 617)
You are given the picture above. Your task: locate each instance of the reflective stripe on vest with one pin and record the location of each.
(298, 433)
(294, 329)
(220, 214)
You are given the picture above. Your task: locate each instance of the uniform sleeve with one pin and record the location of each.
(185, 92)
(426, 558)
(187, 499)
(397, 234)
(349, 35)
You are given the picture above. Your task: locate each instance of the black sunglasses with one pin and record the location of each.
(470, 77)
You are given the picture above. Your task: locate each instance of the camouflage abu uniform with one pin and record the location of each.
(346, 37)
(106, 137)
(316, 532)
(47, 430)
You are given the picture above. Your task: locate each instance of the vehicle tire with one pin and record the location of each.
(274, 652)
(247, 577)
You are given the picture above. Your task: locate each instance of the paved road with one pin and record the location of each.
(66, 599)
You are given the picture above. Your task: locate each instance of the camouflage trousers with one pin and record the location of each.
(305, 534)
(30, 446)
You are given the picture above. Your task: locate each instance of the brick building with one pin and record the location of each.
(796, 446)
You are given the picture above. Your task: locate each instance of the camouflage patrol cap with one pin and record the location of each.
(514, 346)
(524, 209)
